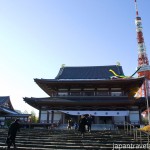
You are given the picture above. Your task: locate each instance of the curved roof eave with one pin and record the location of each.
(87, 80)
(56, 102)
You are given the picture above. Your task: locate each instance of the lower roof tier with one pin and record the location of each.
(83, 103)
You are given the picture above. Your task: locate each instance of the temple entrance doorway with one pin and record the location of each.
(73, 117)
(105, 120)
(99, 117)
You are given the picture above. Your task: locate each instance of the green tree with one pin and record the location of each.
(34, 118)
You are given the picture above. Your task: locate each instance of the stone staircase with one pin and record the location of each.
(43, 139)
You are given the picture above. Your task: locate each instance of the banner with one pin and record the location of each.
(97, 113)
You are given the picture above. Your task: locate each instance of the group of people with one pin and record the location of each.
(84, 121)
(81, 126)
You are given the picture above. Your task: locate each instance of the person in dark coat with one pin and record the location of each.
(12, 131)
(82, 123)
(70, 124)
(89, 123)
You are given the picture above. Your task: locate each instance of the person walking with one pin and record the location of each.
(12, 131)
(70, 124)
(89, 123)
(82, 123)
(76, 126)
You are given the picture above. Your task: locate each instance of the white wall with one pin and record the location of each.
(2, 118)
(119, 119)
(43, 117)
(134, 117)
(57, 116)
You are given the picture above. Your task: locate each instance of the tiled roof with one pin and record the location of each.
(89, 72)
(7, 110)
(3, 99)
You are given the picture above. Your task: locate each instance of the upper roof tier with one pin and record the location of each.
(89, 72)
(89, 77)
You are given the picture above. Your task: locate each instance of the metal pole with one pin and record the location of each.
(136, 134)
(124, 126)
(146, 95)
(127, 128)
(140, 138)
(130, 129)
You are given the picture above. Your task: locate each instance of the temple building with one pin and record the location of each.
(7, 112)
(90, 90)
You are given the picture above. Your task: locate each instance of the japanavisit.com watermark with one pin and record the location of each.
(130, 146)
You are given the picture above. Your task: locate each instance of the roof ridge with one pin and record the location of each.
(89, 66)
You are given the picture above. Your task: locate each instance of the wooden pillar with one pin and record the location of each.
(127, 119)
(39, 115)
(52, 116)
(79, 118)
(140, 117)
(95, 92)
(68, 91)
(113, 120)
(109, 91)
(47, 116)
(62, 118)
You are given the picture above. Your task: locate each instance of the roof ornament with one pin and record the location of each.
(116, 76)
(118, 63)
(63, 65)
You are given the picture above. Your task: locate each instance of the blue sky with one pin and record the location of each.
(38, 36)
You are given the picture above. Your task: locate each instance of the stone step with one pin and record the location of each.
(64, 139)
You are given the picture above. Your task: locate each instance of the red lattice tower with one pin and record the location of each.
(143, 61)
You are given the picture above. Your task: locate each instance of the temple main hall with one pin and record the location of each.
(89, 90)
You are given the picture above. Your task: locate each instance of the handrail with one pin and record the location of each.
(137, 133)
(128, 127)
